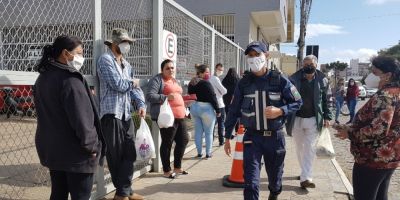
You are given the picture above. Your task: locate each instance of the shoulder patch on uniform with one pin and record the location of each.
(295, 93)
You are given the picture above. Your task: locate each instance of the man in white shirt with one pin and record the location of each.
(220, 91)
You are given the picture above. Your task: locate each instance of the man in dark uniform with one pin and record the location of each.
(262, 100)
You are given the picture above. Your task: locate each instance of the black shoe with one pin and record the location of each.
(272, 197)
(337, 122)
(221, 143)
(208, 156)
(199, 156)
(307, 184)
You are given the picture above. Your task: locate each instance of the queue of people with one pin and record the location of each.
(74, 134)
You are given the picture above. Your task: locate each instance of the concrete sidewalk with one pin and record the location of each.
(204, 181)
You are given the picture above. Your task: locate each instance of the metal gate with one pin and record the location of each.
(27, 25)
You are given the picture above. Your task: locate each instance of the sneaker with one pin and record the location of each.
(337, 122)
(307, 184)
(272, 197)
(199, 156)
(208, 156)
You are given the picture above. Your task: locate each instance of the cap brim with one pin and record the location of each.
(253, 48)
(127, 39)
(109, 41)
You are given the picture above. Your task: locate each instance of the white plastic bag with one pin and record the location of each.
(166, 117)
(324, 148)
(144, 143)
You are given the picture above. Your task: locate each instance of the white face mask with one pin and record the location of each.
(124, 47)
(372, 81)
(219, 73)
(257, 63)
(77, 62)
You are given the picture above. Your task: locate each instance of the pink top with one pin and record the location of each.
(177, 105)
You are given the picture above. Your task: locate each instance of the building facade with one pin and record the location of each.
(270, 21)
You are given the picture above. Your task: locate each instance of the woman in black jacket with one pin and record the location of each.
(68, 136)
(229, 82)
(204, 111)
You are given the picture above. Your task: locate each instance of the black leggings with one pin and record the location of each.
(370, 183)
(177, 133)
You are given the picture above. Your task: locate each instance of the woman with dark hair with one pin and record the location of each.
(375, 133)
(68, 137)
(339, 97)
(205, 110)
(351, 98)
(229, 82)
(164, 87)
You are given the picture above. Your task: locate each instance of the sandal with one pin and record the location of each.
(183, 172)
(170, 175)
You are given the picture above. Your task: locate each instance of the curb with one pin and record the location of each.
(345, 180)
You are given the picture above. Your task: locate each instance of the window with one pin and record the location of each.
(224, 24)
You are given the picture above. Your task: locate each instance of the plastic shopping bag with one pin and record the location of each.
(144, 143)
(166, 117)
(324, 148)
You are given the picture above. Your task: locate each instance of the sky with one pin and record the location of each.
(349, 29)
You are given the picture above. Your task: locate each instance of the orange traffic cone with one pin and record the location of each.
(236, 179)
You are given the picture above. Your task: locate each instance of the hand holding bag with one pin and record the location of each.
(144, 143)
(324, 148)
(166, 117)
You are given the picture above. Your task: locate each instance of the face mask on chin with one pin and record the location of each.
(257, 63)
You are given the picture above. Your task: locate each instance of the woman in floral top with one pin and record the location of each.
(375, 134)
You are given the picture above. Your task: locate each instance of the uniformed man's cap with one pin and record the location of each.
(256, 46)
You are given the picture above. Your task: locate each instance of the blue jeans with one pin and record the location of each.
(204, 118)
(339, 104)
(351, 104)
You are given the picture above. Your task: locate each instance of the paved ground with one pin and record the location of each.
(346, 160)
(205, 181)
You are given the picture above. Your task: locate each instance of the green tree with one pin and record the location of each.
(393, 51)
(337, 65)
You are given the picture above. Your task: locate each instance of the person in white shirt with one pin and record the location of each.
(220, 91)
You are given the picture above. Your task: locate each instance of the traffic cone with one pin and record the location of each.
(236, 179)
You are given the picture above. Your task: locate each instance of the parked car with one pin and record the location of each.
(370, 91)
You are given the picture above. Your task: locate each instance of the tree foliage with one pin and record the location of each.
(337, 65)
(393, 51)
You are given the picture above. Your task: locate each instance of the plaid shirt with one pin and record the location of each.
(116, 87)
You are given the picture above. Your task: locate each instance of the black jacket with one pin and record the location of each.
(204, 93)
(230, 85)
(68, 127)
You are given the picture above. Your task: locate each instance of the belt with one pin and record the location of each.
(266, 133)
